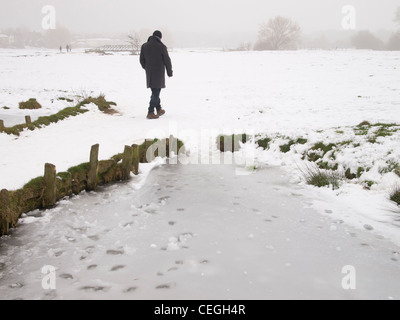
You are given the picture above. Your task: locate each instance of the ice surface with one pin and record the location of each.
(195, 232)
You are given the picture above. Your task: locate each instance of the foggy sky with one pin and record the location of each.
(195, 18)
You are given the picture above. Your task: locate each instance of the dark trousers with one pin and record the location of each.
(155, 102)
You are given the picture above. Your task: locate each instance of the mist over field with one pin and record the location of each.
(206, 23)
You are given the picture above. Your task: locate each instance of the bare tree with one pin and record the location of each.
(278, 34)
(135, 42)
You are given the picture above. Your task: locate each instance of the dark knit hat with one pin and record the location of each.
(157, 34)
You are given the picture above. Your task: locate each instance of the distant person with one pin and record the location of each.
(155, 59)
(60, 49)
(67, 48)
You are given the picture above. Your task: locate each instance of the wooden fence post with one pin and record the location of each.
(50, 192)
(93, 168)
(4, 214)
(135, 160)
(127, 161)
(28, 120)
(2, 127)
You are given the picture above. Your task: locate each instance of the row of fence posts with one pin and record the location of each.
(130, 163)
(28, 121)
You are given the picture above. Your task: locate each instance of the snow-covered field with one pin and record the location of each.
(317, 95)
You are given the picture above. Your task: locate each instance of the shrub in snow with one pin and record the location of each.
(31, 104)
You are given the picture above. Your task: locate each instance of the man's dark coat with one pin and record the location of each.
(155, 59)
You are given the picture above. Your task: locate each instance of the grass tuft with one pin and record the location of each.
(322, 178)
(264, 143)
(395, 195)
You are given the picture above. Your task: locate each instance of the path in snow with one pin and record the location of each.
(195, 232)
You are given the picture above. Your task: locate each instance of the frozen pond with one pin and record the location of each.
(195, 232)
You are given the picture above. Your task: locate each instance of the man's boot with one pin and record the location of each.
(152, 116)
(160, 112)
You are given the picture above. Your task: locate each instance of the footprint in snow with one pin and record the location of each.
(172, 269)
(150, 208)
(368, 227)
(92, 267)
(70, 239)
(89, 249)
(128, 224)
(94, 237)
(80, 229)
(115, 252)
(94, 289)
(116, 268)
(66, 276)
(58, 253)
(163, 200)
(131, 289)
(165, 286)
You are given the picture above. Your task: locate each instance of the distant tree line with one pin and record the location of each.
(23, 37)
(367, 40)
(281, 33)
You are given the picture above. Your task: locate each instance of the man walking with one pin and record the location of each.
(155, 59)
